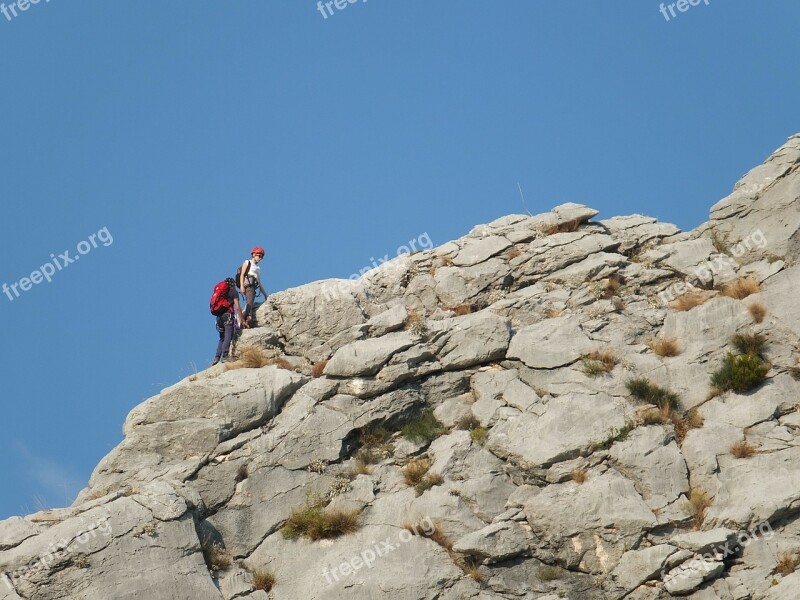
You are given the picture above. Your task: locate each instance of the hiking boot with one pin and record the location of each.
(216, 360)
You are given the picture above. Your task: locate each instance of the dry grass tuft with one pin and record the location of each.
(682, 423)
(787, 563)
(743, 450)
(552, 312)
(415, 471)
(468, 422)
(471, 566)
(254, 357)
(479, 435)
(436, 534)
(415, 323)
(579, 475)
(317, 523)
(599, 362)
(664, 346)
(263, 581)
(698, 504)
(513, 253)
(757, 311)
(741, 288)
(462, 309)
(688, 301)
(217, 557)
(318, 368)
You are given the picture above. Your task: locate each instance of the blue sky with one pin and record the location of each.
(191, 131)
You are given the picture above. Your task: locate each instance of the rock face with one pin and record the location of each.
(544, 476)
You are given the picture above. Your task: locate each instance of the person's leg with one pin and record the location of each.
(250, 309)
(221, 331)
(228, 335)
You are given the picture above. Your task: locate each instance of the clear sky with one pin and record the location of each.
(185, 132)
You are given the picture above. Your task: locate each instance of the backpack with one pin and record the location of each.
(239, 274)
(219, 300)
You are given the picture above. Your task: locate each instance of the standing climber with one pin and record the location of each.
(249, 282)
(225, 306)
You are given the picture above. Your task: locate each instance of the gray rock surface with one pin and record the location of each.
(542, 479)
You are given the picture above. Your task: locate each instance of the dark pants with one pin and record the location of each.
(250, 308)
(225, 329)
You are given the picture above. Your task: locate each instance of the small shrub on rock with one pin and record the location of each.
(318, 523)
(423, 429)
(549, 573)
(740, 373)
(479, 434)
(644, 391)
(749, 343)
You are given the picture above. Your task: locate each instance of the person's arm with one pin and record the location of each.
(240, 313)
(243, 276)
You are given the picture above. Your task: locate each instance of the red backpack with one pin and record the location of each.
(219, 299)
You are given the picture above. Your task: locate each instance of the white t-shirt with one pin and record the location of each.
(254, 271)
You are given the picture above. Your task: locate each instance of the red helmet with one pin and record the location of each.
(258, 250)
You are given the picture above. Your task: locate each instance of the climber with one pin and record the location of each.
(248, 279)
(225, 306)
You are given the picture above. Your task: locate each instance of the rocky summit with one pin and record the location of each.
(553, 406)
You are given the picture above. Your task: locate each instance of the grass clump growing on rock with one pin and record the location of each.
(423, 429)
(255, 357)
(688, 301)
(318, 369)
(743, 450)
(697, 505)
(479, 435)
(417, 476)
(740, 373)
(599, 362)
(757, 311)
(787, 563)
(263, 581)
(216, 556)
(741, 288)
(644, 391)
(549, 573)
(666, 347)
(579, 476)
(749, 343)
(317, 523)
